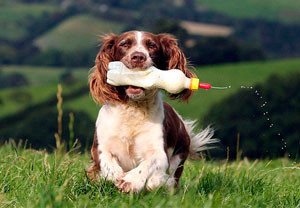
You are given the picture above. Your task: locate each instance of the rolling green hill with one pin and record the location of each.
(83, 30)
(39, 75)
(244, 74)
(43, 84)
(234, 75)
(285, 11)
(15, 17)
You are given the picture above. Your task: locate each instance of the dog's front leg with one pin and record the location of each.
(135, 179)
(154, 161)
(110, 168)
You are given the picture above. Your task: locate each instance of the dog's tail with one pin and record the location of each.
(199, 141)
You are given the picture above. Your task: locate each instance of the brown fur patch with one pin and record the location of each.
(176, 136)
(94, 170)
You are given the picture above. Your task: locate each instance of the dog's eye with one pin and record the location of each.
(125, 44)
(152, 45)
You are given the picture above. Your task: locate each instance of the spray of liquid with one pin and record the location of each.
(267, 117)
(265, 113)
(220, 88)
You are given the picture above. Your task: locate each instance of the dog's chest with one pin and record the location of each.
(129, 133)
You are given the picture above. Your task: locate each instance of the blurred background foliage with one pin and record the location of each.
(266, 118)
(46, 42)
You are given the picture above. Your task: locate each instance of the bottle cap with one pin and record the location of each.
(194, 84)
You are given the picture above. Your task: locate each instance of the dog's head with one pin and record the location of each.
(139, 50)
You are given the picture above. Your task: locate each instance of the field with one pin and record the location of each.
(77, 33)
(195, 28)
(237, 75)
(15, 17)
(30, 178)
(285, 11)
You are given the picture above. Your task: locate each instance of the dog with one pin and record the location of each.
(140, 141)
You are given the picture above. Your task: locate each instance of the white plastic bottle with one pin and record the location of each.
(173, 81)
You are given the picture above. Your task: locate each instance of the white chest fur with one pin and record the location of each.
(131, 132)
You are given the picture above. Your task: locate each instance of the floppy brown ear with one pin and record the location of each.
(175, 60)
(101, 91)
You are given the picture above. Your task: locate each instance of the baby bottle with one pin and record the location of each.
(173, 81)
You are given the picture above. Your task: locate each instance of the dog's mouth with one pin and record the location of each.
(133, 90)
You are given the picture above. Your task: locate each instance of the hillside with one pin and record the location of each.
(275, 10)
(16, 17)
(30, 178)
(77, 33)
(244, 74)
(65, 33)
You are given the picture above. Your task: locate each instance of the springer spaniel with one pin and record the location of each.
(140, 141)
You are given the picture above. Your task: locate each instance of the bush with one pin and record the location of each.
(20, 96)
(13, 80)
(266, 117)
(55, 57)
(37, 123)
(39, 127)
(213, 50)
(209, 50)
(67, 77)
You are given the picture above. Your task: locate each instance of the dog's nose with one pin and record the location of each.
(138, 57)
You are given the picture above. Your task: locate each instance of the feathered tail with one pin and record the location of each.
(199, 141)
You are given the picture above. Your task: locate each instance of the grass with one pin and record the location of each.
(16, 16)
(41, 75)
(81, 29)
(42, 85)
(234, 75)
(286, 11)
(15, 100)
(30, 178)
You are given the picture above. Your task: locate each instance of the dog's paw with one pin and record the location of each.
(156, 181)
(131, 182)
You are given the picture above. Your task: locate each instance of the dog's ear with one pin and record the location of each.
(101, 91)
(175, 60)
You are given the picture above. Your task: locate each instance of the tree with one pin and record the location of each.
(266, 117)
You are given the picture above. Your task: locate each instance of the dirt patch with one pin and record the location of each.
(195, 28)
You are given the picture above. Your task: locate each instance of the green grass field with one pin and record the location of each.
(234, 75)
(279, 10)
(15, 17)
(84, 30)
(40, 75)
(15, 100)
(43, 84)
(30, 178)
